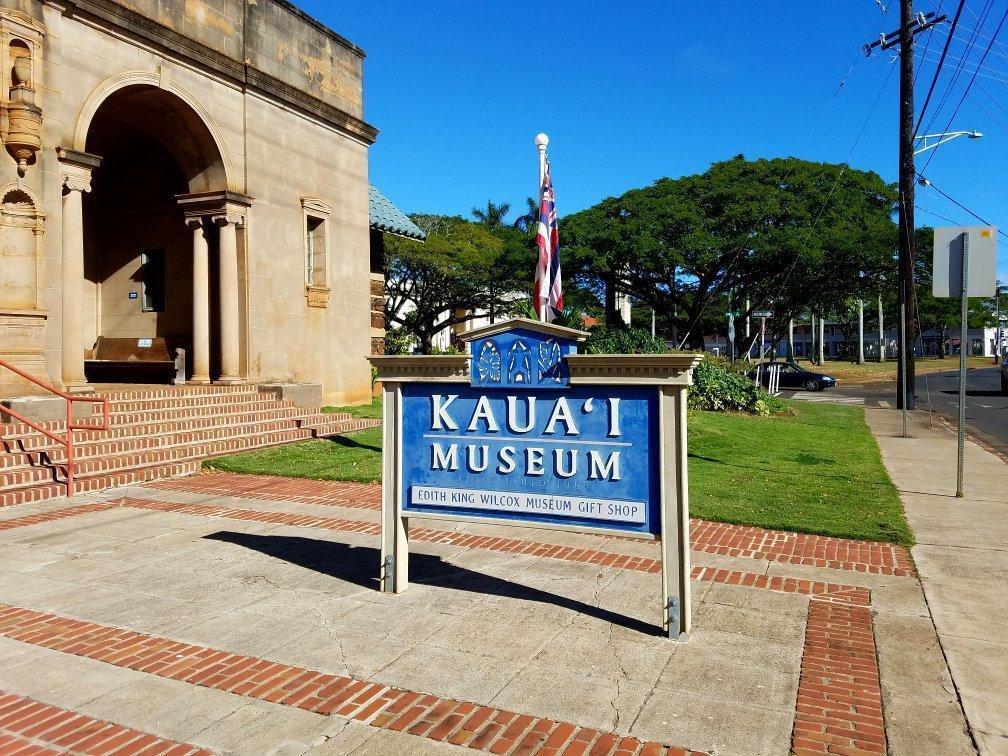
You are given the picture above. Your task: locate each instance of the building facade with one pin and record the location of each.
(192, 170)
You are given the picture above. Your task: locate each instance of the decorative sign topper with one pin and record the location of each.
(525, 431)
(520, 358)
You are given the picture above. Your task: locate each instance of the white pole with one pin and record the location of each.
(881, 331)
(542, 141)
(860, 332)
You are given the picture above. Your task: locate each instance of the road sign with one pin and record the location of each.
(763, 314)
(526, 432)
(948, 256)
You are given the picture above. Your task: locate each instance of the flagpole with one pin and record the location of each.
(541, 141)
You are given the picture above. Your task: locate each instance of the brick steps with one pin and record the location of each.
(32, 439)
(156, 433)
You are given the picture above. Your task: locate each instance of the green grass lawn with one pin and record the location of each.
(355, 457)
(816, 471)
(360, 410)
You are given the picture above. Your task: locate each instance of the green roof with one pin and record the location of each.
(388, 218)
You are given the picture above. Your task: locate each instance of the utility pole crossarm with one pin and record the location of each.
(921, 22)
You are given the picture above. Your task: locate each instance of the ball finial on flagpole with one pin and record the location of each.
(541, 141)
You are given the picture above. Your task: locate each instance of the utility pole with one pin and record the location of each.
(910, 26)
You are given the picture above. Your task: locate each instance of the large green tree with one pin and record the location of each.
(789, 234)
(450, 278)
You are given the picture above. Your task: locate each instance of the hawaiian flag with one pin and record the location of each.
(547, 296)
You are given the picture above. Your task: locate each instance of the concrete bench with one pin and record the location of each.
(118, 359)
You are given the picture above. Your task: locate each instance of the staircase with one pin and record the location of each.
(153, 433)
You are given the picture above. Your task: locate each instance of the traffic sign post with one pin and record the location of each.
(965, 263)
(762, 315)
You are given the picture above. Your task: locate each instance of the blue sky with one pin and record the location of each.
(631, 92)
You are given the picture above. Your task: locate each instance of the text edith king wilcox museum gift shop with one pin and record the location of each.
(525, 431)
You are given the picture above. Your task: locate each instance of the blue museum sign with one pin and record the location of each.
(524, 430)
(584, 457)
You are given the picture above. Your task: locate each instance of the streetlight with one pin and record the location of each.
(945, 136)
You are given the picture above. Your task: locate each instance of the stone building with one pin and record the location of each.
(192, 170)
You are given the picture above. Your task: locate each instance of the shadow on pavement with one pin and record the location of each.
(359, 565)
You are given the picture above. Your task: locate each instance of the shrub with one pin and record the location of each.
(398, 341)
(718, 388)
(623, 341)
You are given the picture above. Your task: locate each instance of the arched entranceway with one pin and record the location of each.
(157, 233)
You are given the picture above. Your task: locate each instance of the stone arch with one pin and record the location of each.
(191, 129)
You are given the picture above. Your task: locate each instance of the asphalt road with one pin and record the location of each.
(986, 406)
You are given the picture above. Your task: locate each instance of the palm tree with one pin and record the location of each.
(531, 217)
(493, 216)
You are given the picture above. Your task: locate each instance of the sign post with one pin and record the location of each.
(524, 431)
(762, 315)
(957, 274)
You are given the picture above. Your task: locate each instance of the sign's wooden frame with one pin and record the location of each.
(670, 374)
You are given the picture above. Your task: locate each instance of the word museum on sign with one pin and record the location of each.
(582, 454)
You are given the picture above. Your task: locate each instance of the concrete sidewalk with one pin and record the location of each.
(961, 556)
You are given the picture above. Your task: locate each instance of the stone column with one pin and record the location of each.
(229, 316)
(201, 302)
(75, 170)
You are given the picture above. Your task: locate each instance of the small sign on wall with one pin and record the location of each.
(133, 295)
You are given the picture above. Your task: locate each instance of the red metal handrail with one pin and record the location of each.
(68, 440)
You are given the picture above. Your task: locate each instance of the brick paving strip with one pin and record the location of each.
(459, 722)
(710, 537)
(845, 594)
(839, 707)
(54, 514)
(28, 726)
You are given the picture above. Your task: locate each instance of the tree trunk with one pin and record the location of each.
(612, 317)
(822, 338)
(812, 334)
(426, 338)
(790, 340)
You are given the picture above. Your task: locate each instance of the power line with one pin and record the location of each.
(989, 71)
(937, 215)
(927, 45)
(941, 62)
(955, 76)
(966, 91)
(957, 203)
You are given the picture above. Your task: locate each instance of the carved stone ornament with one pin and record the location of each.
(76, 182)
(24, 133)
(317, 296)
(227, 219)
